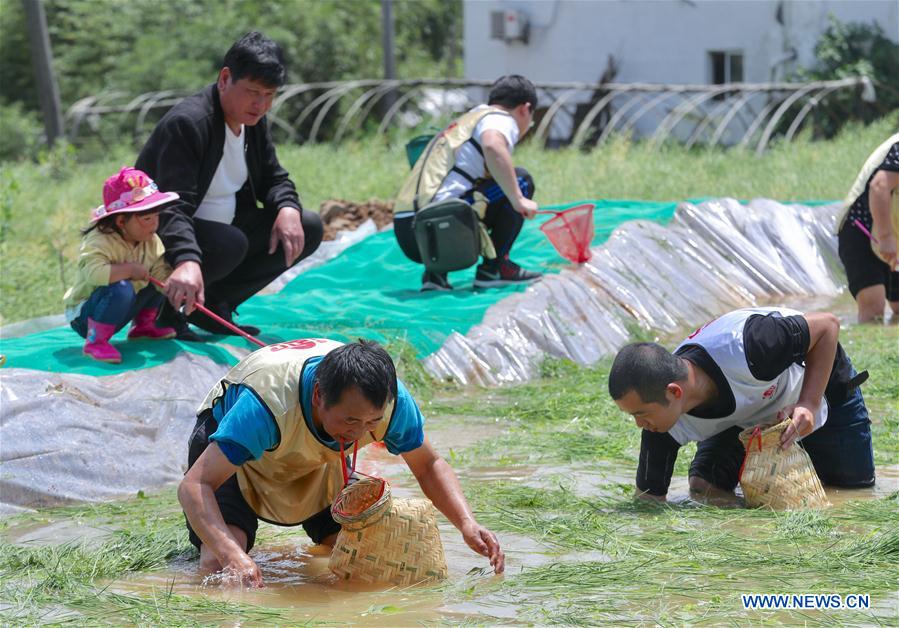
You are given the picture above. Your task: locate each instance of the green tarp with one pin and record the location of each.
(369, 290)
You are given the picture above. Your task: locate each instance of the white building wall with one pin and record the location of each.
(665, 41)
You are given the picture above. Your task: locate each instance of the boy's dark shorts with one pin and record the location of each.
(841, 450)
(235, 509)
(863, 268)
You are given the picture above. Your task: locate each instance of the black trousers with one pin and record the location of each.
(502, 221)
(841, 451)
(236, 263)
(863, 268)
(235, 509)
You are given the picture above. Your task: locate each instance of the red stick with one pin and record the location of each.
(218, 319)
(865, 231)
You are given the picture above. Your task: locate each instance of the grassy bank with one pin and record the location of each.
(42, 206)
(568, 456)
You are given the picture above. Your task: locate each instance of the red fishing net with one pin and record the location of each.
(571, 232)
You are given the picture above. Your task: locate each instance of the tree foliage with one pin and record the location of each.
(854, 49)
(137, 46)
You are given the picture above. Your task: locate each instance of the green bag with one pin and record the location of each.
(416, 146)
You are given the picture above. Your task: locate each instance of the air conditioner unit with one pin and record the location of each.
(509, 25)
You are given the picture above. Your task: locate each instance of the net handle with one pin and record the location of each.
(348, 471)
(556, 212)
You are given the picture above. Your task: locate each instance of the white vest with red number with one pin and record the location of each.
(756, 401)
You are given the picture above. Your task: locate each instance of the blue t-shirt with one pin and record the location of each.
(246, 428)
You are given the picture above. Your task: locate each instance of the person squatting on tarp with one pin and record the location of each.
(215, 150)
(867, 232)
(267, 446)
(471, 160)
(119, 252)
(753, 366)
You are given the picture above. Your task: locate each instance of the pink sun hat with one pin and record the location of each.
(131, 190)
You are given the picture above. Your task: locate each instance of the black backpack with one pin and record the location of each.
(447, 235)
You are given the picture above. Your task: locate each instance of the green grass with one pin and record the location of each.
(616, 560)
(610, 558)
(671, 563)
(43, 205)
(68, 583)
(686, 563)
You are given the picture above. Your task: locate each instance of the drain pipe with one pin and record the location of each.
(790, 55)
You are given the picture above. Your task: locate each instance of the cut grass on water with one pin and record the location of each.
(69, 582)
(610, 558)
(681, 562)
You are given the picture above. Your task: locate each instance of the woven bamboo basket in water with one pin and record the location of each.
(776, 478)
(385, 540)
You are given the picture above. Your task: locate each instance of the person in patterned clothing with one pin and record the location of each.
(867, 234)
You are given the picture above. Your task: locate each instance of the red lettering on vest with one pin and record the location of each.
(696, 333)
(304, 343)
(770, 392)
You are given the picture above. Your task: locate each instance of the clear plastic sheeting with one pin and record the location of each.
(69, 438)
(711, 258)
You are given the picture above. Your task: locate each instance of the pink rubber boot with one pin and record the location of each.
(144, 326)
(97, 342)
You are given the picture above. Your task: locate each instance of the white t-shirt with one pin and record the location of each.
(220, 201)
(469, 160)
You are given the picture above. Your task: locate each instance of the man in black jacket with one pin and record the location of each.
(215, 150)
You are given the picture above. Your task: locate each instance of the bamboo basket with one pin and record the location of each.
(776, 478)
(385, 540)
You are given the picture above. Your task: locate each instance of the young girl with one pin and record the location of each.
(119, 252)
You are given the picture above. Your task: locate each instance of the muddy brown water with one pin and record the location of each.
(297, 576)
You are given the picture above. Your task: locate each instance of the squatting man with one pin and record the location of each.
(267, 446)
